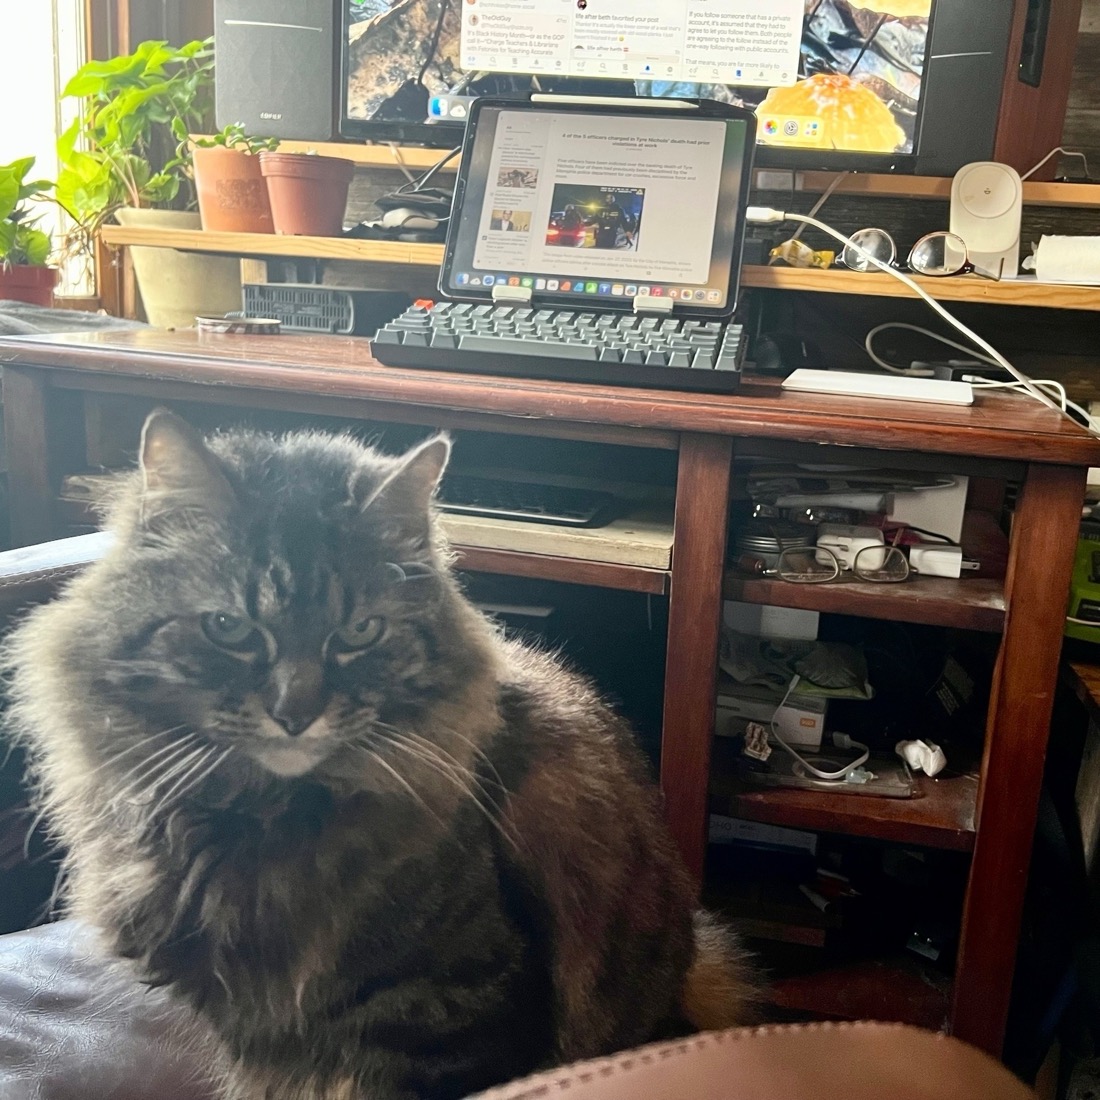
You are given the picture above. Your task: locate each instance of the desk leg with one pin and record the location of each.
(30, 494)
(1017, 728)
(694, 614)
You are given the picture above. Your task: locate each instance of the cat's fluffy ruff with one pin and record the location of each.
(457, 872)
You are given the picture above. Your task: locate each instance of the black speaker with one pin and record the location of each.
(274, 66)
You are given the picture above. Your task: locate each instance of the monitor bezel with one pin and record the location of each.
(700, 108)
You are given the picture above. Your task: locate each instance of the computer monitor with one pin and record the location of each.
(835, 83)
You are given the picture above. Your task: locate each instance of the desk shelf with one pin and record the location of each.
(971, 603)
(1024, 291)
(428, 257)
(940, 815)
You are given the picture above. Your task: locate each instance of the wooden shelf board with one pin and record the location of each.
(546, 567)
(961, 288)
(897, 990)
(972, 603)
(940, 815)
(965, 288)
(396, 253)
(881, 185)
(416, 158)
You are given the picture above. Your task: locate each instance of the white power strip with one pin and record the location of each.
(856, 384)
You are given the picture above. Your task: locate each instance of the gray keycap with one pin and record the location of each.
(704, 360)
(512, 346)
(610, 355)
(387, 335)
(415, 339)
(679, 359)
(444, 340)
(633, 356)
(656, 359)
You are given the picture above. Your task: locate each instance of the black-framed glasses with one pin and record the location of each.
(819, 565)
(938, 255)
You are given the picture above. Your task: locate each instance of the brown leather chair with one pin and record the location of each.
(76, 1025)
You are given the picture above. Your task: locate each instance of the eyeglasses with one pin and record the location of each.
(819, 565)
(938, 255)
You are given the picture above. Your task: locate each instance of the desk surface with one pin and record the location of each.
(996, 426)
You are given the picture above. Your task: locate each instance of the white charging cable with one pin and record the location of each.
(841, 740)
(764, 215)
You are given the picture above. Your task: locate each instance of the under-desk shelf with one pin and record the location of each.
(940, 815)
(971, 603)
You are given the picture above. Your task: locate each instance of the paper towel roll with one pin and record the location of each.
(1068, 260)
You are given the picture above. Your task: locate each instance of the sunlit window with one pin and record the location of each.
(50, 37)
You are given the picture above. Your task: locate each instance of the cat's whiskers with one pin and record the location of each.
(141, 743)
(145, 788)
(386, 766)
(191, 780)
(447, 771)
(474, 782)
(132, 783)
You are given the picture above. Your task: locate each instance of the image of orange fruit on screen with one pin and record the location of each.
(903, 9)
(852, 116)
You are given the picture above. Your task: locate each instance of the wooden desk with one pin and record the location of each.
(46, 382)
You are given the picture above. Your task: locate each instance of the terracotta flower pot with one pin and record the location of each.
(308, 193)
(232, 191)
(27, 283)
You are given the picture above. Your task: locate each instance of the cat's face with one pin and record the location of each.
(281, 602)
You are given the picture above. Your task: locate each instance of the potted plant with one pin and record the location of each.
(308, 193)
(24, 248)
(230, 187)
(128, 157)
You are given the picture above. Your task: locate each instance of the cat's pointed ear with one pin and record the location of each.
(407, 493)
(178, 471)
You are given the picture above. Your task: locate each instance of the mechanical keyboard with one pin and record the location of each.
(625, 349)
(533, 501)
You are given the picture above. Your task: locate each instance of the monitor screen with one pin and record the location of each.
(598, 203)
(842, 79)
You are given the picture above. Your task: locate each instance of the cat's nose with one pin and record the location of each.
(295, 695)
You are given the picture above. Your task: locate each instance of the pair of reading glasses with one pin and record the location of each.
(938, 255)
(819, 565)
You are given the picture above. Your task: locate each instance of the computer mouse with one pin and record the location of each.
(407, 217)
(782, 352)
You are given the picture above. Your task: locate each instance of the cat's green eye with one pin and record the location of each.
(362, 632)
(227, 630)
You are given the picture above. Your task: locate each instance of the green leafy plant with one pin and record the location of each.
(130, 147)
(21, 242)
(233, 136)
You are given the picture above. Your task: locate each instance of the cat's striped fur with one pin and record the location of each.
(303, 783)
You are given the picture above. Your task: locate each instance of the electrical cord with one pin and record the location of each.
(823, 198)
(1065, 152)
(762, 215)
(916, 372)
(841, 740)
(1056, 387)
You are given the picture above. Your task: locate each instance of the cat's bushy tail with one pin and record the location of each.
(721, 988)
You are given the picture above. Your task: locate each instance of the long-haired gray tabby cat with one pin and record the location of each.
(382, 851)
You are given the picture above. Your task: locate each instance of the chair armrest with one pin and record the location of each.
(823, 1061)
(32, 574)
